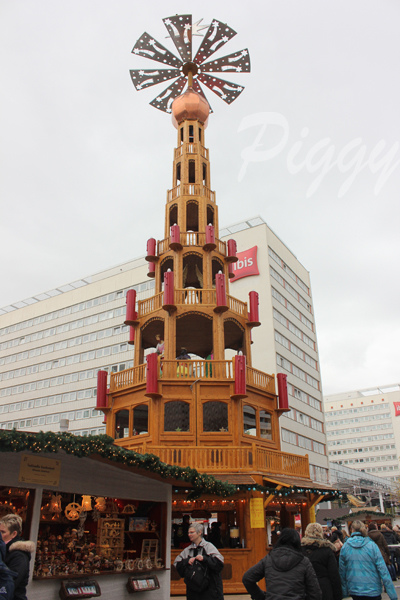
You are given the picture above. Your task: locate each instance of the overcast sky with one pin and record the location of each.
(311, 145)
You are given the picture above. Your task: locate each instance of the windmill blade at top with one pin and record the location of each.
(149, 48)
(164, 100)
(197, 88)
(143, 78)
(180, 29)
(216, 36)
(226, 90)
(239, 62)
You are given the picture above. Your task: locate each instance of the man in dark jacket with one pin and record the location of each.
(18, 553)
(288, 574)
(209, 556)
(389, 535)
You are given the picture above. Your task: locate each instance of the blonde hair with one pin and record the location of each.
(359, 526)
(13, 523)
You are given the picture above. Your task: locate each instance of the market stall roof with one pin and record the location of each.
(102, 448)
(330, 514)
(372, 513)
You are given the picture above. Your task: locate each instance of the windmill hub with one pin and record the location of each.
(189, 67)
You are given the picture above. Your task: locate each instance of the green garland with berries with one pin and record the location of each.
(103, 445)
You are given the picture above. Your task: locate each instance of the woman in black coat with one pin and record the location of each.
(288, 574)
(321, 553)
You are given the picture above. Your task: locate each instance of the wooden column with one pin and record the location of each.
(218, 336)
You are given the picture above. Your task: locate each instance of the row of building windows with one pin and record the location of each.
(140, 287)
(290, 289)
(361, 440)
(74, 415)
(367, 459)
(48, 401)
(288, 270)
(291, 368)
(92, 320)
(348, 411)
(71, 343)
(62, 362)
(292, 309)
(293, 329)
(302, 442)
(379, 469)
(306, 398)
(365, 449)
(68, 397)
(319, 474)
(295, 350)
(359, 419)
(359, 429)
(306, 420)
(45, 383)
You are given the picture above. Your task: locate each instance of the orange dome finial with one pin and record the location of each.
(190, 106)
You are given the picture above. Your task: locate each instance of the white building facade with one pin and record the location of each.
(363, 430)
(52, 346)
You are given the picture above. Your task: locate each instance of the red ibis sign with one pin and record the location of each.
(396, 409)
(246, 265)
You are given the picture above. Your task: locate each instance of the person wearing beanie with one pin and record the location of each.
(18, 553)
(321, 554)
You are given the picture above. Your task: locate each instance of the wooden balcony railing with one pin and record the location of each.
(282, 462)
(195, 296)
(127, 378)
(190, 370)
(260, 380)
(150, 304)
(231, 458)
(197, 369)
(190, 189)
(191, 148)
(190, 238)
(237, 306)
(163, 246)
(190, 296)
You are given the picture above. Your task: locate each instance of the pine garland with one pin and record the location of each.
(103, 445)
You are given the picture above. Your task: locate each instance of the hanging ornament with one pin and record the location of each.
(129, 509)
(86, 503)
(55, 504)
(100, 504)
(72, 511)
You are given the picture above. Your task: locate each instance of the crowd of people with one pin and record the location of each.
(321, 565)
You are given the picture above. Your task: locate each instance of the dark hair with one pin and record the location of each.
(372, 527)
(289, 537)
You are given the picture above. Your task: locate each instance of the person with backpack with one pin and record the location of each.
(200, 564)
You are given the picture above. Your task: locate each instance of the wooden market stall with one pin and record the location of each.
(99, 515)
